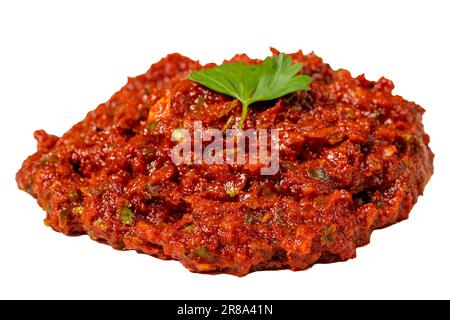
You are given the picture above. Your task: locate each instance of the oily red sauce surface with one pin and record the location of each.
(354, 158)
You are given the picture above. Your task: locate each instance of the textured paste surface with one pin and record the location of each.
(353, 158)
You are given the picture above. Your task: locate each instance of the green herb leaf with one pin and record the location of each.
(275, 77)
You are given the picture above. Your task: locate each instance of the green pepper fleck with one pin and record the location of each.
(74, 196)
(230, 190)
(318, 174)
(408, 138)
(287, 165)
(148, 150)
(151, 126)
(378, 113)
(201, 101)
(151, 191)
(49, 158)
(127, 215)
(99, 224)
(201, 252)
(327, 235)
(63, 218)
(78, 211)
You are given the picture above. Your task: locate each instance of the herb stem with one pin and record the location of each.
(243, 115)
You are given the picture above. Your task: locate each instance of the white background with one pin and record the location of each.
(60, 59)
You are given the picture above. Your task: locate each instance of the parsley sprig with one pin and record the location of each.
(275, 77)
